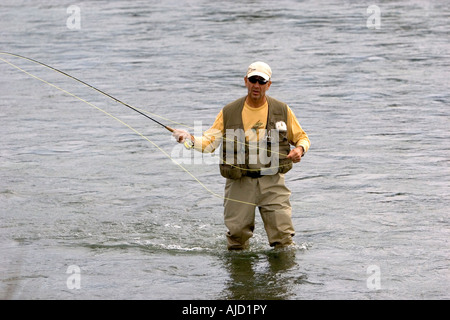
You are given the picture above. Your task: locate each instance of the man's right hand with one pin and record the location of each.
(181, 135)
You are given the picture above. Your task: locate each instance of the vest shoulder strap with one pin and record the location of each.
(277, 106)
(232, 112)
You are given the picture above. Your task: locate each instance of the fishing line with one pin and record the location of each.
(140, 111)
(87, 85)
(143, 112)
(112, 116)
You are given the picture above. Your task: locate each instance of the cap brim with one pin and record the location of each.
(260, 74)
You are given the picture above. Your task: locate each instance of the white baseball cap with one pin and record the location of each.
(259, 69)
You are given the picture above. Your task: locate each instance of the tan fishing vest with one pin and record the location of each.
(238, 156)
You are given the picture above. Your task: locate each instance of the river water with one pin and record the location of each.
(91, 209)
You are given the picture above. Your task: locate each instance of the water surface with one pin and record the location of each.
(80, 188)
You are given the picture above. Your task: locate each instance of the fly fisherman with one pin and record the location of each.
(256, 133)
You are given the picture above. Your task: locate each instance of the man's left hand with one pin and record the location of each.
(296, 154)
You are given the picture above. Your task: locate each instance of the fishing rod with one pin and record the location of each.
(114, 117)
(92, 87)
(188, 143)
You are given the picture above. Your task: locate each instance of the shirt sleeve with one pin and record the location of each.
(296, 135)
(212, 137)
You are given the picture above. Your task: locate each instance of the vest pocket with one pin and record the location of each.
(230, 172)
(285, 165)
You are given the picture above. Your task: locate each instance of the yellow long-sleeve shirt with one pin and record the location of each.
(254, 120)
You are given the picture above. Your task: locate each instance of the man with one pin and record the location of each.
(256, 132)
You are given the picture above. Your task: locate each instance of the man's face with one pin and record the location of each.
(257, 90)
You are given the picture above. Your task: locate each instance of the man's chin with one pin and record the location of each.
(256, 96)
